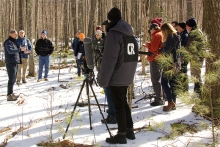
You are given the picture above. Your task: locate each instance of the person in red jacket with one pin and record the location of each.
(153, 46)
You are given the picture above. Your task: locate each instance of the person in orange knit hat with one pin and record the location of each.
(153, 46)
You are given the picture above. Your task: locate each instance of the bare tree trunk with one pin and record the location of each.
(189, 9)
(181, 10)
(65, 25)
(92, 18)
(31, 68)
(20, 16)
(145, 11)
(212, 87)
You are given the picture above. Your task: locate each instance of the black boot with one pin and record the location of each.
(119, 138)
(130, 133)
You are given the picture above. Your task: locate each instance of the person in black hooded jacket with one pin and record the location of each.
(118, 67)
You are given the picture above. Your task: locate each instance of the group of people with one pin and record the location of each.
(17, 50)
(116, 69)
(166, 39)
(115, 57)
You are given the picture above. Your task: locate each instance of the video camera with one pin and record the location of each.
(87, 65)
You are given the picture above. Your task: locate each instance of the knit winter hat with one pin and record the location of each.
(182, 25)
(44, 32)
(98, 28)
(157, 21)
(81, 36)
(98, 32)
(114, 14)
(191, 22)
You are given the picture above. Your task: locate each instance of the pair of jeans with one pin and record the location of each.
(169, 88)
(79, 62)
(12, 73)
(123, 112)
(44, 61)
(111, 108)
(22, 66)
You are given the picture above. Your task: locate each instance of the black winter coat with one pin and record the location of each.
(44, 47)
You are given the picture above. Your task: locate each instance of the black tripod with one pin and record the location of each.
(88, 83)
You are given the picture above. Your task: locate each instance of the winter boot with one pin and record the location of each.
(15, 96)
(130, 133)
(11, 98)
(171, 106)
(110, 120)
(119, 138)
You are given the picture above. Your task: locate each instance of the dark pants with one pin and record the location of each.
(111, 108)
(123, 112)
(79, 62)
(155, 79)
(12, 74)
(169, 87)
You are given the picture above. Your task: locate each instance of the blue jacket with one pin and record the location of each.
(12, 51)
(24, 42)
(74, 44)
(184, 38)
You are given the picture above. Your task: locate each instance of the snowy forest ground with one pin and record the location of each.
(43, 108)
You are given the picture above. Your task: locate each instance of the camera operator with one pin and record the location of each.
(80, 53)
(98, 47)
(118, 67)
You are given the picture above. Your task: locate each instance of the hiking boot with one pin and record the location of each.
(15, 96)
(24, 81)
(130, 134)
(118, 138)
(110, 120)
(18, 83)
(157, 103)
(11, 98)
(171, 106)
(38, 80)
(46, 79)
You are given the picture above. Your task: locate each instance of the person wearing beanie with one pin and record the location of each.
(80, 53)
(181, 29)
(44, 48)
(174, 24)
(153, 46)
(195, 46)
(191, 22)
(157, 21)
(117, 71)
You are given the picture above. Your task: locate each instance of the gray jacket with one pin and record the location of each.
(114, 71)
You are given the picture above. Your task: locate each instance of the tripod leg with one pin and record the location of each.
(100, 110)
(87, 92)
(74, 109)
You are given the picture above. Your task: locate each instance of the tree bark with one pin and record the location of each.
(32, 71)
(92, 18)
